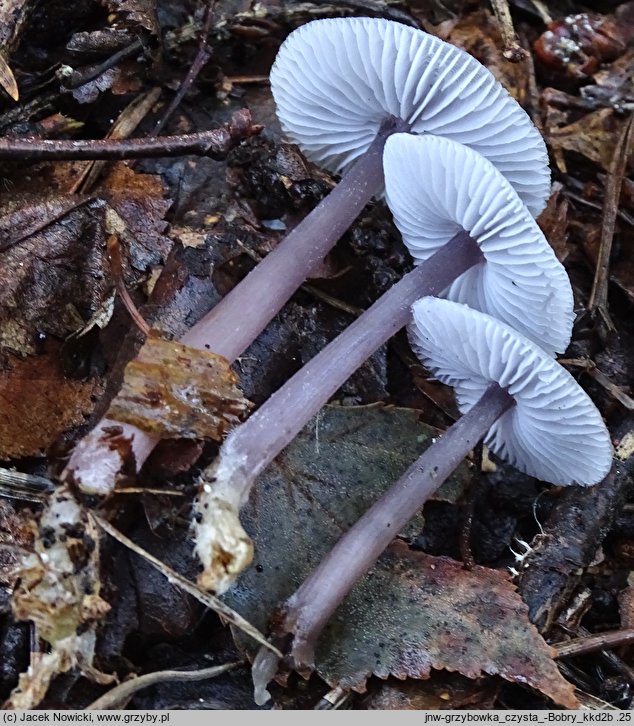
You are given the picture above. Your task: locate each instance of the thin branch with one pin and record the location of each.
(201, 59)
(116, 267)
(599, 296)
(215, 144)
(77, 78)
(512, 51)
(592, 643)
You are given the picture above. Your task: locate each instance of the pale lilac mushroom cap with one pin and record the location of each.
(435, 188)
(554, 432)
(335, 81)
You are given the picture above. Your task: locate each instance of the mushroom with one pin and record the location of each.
(341, 87)
(513, 272)
(529, 410)
(335, 82)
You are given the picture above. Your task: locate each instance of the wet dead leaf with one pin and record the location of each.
(139, 200)
(137, 14)
(613, 84)
(38, 402)
(17, 533)
(54, 276)
(553, 222)
(412, 612)
(415, 613)
(441, 692)
(593, 136)
(174, 391)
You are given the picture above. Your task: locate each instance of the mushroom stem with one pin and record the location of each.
(254, 444)
(306, 612)
(236, 321)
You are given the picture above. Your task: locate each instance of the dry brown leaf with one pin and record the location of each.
(175, 391)
(38, 402)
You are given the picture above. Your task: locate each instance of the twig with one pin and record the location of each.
(174, 578)
(117, 697)
(77, 79)
(199, 63)
(599, 296)
(334, 699)
(512, 51)
(575, 529)
(125, 125)
(543, 11)
(144, 490)
(592, 643)
(215, 144)
(591, 369)
(246, 80)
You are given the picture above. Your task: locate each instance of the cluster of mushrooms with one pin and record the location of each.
(464, 171)
(403, 114)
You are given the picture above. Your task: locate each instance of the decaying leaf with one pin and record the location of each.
(54, 278)
(138, 200)
(412, 613)
(553, 222)
(415, 613)
(58, 590)
(13, 16)
(138, 14)
(38, 402)
(16, 535)
(174, 391)
(593, 136)
(342, 452)
(7, 79)
(443, 691)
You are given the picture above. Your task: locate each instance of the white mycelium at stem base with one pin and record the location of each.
(527, 284)
(526, 407)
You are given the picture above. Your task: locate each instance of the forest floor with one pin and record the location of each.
(177, 233)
